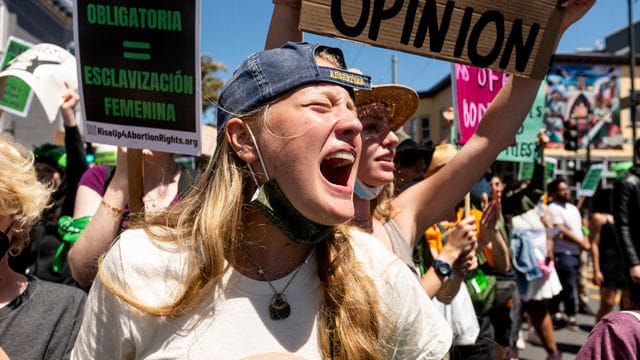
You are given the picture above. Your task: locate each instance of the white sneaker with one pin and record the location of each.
(520, 344)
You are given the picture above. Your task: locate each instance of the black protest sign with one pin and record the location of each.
(139, 66)
(514, 36)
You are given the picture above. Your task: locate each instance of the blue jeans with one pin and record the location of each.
(567, 268)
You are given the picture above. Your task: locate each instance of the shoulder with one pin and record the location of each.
(57, 293)
(150, 271)
(622, 320)
(371, 252)
(598, 219)
(422, 332)
(95, 178)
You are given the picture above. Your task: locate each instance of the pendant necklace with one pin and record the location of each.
(279, 308)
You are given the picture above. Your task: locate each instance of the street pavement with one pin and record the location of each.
(569, 342)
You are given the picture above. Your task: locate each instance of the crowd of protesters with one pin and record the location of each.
(318, 229)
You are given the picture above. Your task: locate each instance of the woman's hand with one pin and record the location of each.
(488, 223)
(69, 101)
(575, 10)
(598, 278)
(465, 264)
(463, 237)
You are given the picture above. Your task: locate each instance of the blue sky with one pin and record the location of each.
(232, 29)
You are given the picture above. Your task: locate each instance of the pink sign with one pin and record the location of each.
(475, 90)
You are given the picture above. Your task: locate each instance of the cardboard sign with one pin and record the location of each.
(140, 73)
(45, 68)
(474, 90)
(515, 36)
(17, 94)
(591, 180)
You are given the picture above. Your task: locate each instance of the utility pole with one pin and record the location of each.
(632, 94)
(394, 69)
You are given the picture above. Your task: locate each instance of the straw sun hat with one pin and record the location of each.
(401, 101)
(442, 155)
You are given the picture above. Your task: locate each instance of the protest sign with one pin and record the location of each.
(17, 95)
(591, 180)
(140, 73)
(474, 90)
(515, 36)
(550, 165)
(45, 68)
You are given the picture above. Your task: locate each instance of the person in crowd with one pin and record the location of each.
(38, 319)
(382, 110)
(398, 222)
(626, 214)
(102, 205)
(411, 162)
(258, 241)
(615, 337)
(568, 241)
(608, 271)
(533, 255)
(62, 167)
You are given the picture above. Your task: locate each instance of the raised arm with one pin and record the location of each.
(74, 148)
(490, 236)
(97, 237)
(426, 202)
(284, 23)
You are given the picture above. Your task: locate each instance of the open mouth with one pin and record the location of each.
(337, 167)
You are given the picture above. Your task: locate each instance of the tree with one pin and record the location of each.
(211, 84)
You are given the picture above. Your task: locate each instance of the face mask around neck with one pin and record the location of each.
(274, 205)
(366, 192)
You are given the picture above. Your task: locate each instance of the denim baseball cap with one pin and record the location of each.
(267, 74)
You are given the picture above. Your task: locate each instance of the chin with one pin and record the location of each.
(333, 213)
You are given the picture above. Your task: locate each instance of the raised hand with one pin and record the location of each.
(575, 10)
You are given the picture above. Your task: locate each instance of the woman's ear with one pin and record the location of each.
(240, 140)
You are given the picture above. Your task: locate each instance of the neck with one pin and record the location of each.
(269, 248)
(12, 284)
(159, 168)
(363, 217)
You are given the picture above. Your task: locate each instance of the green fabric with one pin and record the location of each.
(53, 154)
(69, 230)
(482, 289)
(621, 168)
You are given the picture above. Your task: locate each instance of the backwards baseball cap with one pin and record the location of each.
(51, 154)
(267, 74)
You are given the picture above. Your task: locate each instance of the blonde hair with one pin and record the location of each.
(208, 223)
(22, 197)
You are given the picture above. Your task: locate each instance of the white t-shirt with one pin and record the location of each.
(234, 322)
(530, 223)
(569, 215)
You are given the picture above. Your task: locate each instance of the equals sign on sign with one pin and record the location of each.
(136, 50)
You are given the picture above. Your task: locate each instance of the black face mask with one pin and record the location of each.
(4, 243)
(272, 203)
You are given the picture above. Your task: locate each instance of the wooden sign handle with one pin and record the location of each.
(136, 184)
(467, 205)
